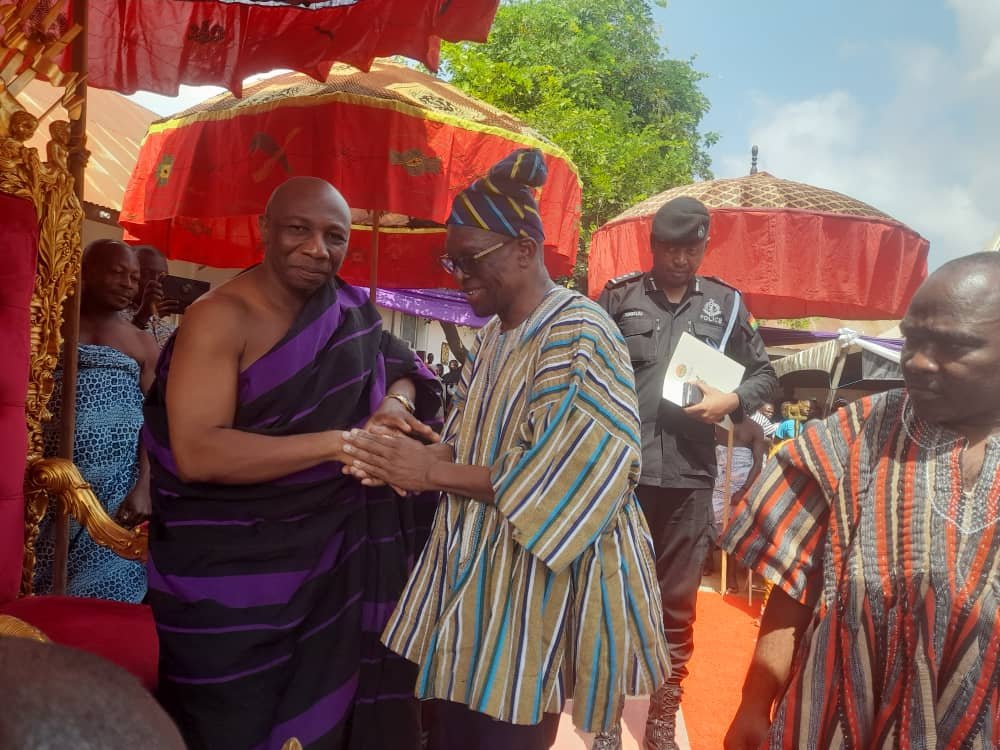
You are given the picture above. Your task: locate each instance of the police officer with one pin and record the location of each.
(678, 444)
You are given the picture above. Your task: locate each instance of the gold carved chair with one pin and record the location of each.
(41, 245)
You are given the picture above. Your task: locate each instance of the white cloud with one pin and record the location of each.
(990, 63)
(979, 27)
(927, 154)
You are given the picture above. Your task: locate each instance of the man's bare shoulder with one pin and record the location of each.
(121, 335)
(225, 306)
(224, 319)
(753, 430)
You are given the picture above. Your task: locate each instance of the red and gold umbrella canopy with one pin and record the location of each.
(794, 250)
(156, 45)
(398, 143)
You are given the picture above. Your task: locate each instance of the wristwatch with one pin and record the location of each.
(410, 407)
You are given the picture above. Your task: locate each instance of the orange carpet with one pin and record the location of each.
(724, 639)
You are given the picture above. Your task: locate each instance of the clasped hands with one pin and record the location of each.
(394, 448)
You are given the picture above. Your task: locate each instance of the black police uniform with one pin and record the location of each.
(678, 453)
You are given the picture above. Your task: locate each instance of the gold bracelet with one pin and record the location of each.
(407, 404)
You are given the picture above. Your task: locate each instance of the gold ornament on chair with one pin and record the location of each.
(49, 188)
(12, 627)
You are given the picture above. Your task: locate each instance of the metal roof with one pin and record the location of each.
(115, 129)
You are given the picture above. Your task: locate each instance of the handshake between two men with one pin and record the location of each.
(394, 448)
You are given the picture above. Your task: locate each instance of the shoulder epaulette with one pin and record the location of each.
(719, 281)
(623, 279)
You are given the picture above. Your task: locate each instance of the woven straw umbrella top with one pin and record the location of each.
(758, 191)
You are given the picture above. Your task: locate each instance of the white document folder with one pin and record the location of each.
(696, 360)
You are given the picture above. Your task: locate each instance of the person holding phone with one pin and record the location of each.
(151, 305)
(653, 310)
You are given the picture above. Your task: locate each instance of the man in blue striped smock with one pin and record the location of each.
(538, 583)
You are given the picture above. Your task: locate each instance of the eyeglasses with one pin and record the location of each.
(467, 264)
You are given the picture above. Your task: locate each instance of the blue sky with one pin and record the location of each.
(894, 102)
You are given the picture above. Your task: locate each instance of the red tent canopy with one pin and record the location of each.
(156, 45)
(794, 250)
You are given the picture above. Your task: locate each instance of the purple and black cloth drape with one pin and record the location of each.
(269, 598)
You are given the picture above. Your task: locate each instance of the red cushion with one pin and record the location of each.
(19, 240)
(121, 633)
(13, 451)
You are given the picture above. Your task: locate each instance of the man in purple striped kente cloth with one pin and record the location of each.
(271, 572)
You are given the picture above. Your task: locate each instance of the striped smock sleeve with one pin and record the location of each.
(577, 454)
(780, 526)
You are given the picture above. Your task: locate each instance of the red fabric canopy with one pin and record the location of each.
(156, 45)
(392, 140)
(822, 254)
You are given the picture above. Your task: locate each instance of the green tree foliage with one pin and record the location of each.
(592, 76)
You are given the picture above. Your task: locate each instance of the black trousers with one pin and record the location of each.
(454, 726)
(680, 522)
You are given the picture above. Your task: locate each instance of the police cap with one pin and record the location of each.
(681, 221)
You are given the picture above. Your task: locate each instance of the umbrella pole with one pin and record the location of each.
(71, 307)
(725, 508)
(373, 272)
(838, 374)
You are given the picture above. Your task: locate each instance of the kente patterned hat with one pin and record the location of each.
(504, 201)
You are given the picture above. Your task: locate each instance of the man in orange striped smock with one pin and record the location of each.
(879, 528)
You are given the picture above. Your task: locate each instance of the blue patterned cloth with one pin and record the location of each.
(108, 422)
(787, 429)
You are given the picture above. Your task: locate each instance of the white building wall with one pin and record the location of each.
(424, 335)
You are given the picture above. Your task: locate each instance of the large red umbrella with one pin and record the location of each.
(398, 143)
(156, 45)
(795, 250)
